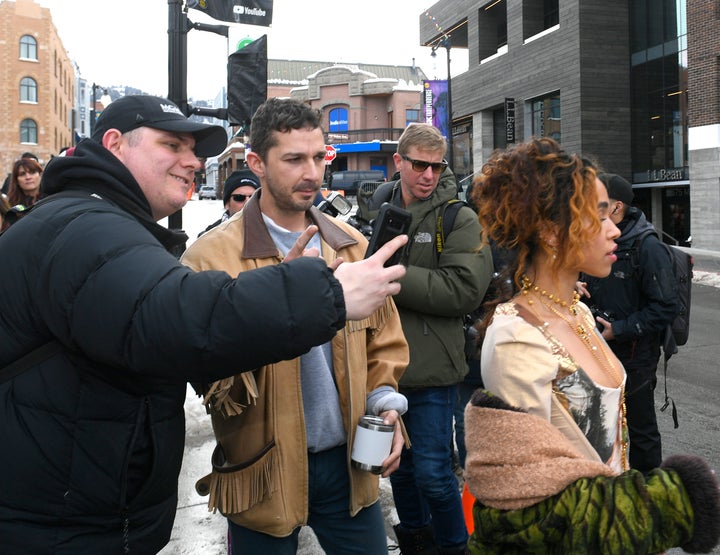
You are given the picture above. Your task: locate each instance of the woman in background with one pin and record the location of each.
(547, 443)
(25, 182)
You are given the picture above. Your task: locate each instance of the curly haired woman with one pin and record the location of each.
(547, 444)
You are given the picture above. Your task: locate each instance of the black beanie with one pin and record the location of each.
(237, 179)
(617, 187)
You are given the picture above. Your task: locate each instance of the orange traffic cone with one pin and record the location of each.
(467, 503)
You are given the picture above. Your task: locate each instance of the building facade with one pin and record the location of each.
(364, 114)
(703, 22)
(617, 81)
(37, 84)
(365, 109)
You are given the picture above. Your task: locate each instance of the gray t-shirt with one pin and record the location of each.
(321, 405)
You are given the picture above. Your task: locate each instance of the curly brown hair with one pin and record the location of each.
(533, 189)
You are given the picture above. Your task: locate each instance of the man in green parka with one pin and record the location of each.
(447, 275)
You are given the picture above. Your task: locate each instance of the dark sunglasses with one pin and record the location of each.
(421, 165)
(239, 198)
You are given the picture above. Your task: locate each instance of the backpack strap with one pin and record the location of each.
(43, 352)
(446, 221)
(635, 247)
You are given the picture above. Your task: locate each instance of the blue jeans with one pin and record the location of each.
(329, 516)
(425, 488)
(464, 393)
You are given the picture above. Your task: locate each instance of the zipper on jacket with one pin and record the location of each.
(126, 531)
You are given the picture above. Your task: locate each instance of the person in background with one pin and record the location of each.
(25, 182)
(9, 214)
(635, 303)
(4, 209)
(547, 442)
(238, 188)
(440, 287)
(283, 460)
(6, 183)
(102, 328)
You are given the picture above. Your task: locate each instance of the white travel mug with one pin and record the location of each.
(372, 445)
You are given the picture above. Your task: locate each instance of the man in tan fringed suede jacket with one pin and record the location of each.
(285, 432)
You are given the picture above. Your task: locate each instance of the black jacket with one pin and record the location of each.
(92, 438)
(638, 295)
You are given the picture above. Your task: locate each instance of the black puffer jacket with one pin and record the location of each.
(92, 438)
(638, 294)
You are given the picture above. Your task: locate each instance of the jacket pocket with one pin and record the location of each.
(238, 487)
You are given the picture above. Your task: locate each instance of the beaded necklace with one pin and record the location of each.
(576, 325)
(579, 328)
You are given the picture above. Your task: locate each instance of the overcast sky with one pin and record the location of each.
(125, 42)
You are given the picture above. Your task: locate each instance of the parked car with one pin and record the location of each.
(207, 191)
(349, 180)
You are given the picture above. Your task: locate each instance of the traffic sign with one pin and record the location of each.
(330, 154)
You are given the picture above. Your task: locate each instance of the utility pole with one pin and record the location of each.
(177, 72)
(178, 27)
(446, 43)
(451, 155)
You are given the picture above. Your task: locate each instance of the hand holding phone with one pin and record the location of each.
(391, 222)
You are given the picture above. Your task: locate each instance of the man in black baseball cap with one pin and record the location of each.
(102, 328)
(155, 143)
(130, 112)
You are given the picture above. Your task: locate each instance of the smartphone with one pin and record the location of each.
(391, 222)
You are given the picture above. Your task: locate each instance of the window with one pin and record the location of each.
(545, 112)
(539, 16)
(28, 90)
(28, 48)
(28, 131)
(492, 26)
(551, 13)
(338, 120)
(412, 116)
(659, 86)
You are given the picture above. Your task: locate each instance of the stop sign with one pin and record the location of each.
(330, 153)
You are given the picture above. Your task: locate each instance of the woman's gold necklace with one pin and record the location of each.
(578, 327)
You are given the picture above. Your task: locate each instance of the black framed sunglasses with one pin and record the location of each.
(421, 165)
(239, 197)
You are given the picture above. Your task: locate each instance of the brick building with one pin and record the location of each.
(37, 81)
(631, 84)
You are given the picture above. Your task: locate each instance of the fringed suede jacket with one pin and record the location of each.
(260, 467)
(535, 493)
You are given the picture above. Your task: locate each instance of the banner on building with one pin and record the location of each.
(250, 12)
(509, 120)
(247, 81)
(435, 105)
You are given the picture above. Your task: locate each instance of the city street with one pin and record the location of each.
(693, 383)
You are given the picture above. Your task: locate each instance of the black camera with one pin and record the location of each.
(335, 205)
(604, 314)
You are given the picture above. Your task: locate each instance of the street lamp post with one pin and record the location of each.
(93, 111)
(446, 43)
